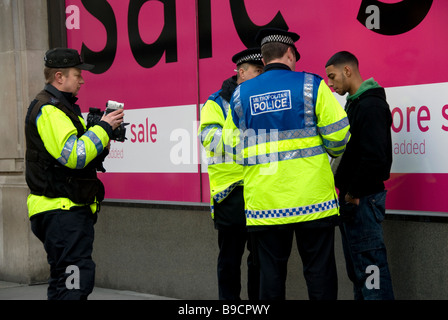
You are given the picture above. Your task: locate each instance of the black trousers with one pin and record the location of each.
(230, 221)
(231, 249)
(316, 249)
(68, 237)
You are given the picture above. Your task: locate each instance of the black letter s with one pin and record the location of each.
(246, 29)
(103, 59)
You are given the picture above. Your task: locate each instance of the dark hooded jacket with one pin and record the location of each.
(228, 86)
(367, 161)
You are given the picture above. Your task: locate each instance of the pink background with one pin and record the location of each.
(325, 27)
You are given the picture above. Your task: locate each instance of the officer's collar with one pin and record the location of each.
(276, 66)
(69, 96)
(66, 98)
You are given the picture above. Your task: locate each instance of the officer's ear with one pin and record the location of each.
(58, 76)
(240, 72)
(242, 68)
(291, 58)
(291, 54)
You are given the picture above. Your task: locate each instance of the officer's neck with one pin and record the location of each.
(276, 66)
(287, 59)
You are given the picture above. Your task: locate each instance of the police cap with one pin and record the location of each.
(251, 55)
(65, 58)
(268, 35)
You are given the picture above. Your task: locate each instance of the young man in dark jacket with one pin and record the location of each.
(360, 177)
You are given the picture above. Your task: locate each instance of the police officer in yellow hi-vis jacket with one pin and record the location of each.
(226, 187)
(62, 158)
(288, 122)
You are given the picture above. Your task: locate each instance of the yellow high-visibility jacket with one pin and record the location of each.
(56, 145)
(224, 174)
(287, 123)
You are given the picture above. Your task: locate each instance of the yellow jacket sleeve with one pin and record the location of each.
(210, 130)
(59, 136)
(332, 121)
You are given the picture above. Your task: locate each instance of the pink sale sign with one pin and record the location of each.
(163, 59)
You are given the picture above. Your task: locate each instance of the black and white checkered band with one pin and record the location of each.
(250, 57)
(277, 38)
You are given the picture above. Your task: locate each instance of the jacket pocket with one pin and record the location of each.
(84, 191)
(378, 204)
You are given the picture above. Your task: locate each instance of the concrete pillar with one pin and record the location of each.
(24, 40)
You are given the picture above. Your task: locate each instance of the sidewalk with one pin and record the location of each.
(16, 291)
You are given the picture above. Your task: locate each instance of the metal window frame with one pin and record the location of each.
(57, 33)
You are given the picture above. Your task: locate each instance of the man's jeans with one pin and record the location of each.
(364, 248)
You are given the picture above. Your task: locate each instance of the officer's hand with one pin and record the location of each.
(114, 118)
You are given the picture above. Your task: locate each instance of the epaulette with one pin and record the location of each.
(314, 74)
(53, 101)
(214, 96)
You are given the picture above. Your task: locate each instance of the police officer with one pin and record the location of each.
(62, 158)
(288, 122)
(226, 187)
